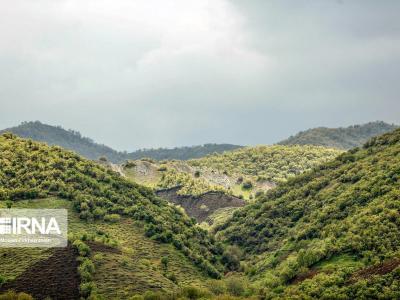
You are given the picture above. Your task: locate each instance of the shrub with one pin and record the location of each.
(217, 287)
(164, 262)
(86, 288)
(247, 185)
(112, 218)
(162, 168)
(130, 164)
(82, 248)
(231, 258)
(193, 292)
(11, 295)
(235, 286)
(9, 204)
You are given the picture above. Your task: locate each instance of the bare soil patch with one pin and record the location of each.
(303, 276)
(56, 277)
(379, 269)
(200, 207)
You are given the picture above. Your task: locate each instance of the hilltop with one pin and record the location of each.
(68, 139)
(341, 138)
(73, 140)
(332, 232)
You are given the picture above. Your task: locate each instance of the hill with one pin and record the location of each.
(330, 233)
(140, 227)
(242, 172)
(73, 140)
(68, 139)
(182, 153)
(259, 168)
(341, 138)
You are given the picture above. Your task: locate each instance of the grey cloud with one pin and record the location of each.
(155, 73)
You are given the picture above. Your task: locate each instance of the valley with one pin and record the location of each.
(266, 221)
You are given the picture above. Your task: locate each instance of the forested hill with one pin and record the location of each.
(32, 170)
(331, 233)
(73, 140)
(183, 153)
(341, 138)
(68, 139)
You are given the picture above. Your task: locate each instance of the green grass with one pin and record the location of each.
(339, 262)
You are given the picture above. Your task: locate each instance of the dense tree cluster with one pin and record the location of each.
(182, 153)
(341, 138)
(348, 207)
(270, 163)
(30, 170)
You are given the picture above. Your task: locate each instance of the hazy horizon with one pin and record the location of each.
(150, 74)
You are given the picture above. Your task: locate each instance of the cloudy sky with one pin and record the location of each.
(150, 73)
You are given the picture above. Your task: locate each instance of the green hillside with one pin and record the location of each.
(68, 139)
(267, 163)
(242, 172)
(331, 233)
(99, 197)
(341, 138)
(73, 140)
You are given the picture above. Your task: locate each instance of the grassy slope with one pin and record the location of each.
(325, 224)
(135, 270)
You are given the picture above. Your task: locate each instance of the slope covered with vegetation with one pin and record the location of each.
(331, 233)
(68, 139)
(267, 163)
(242, 172)
(341, 138)
(31, 170)
(73, 140)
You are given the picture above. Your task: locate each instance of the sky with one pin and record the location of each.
(154, 73)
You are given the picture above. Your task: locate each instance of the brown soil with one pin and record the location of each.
(99, 247)
(303, 276)
(379, 269)
(200, 207)
(55, 277)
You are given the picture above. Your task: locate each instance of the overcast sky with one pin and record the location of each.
(150, 73)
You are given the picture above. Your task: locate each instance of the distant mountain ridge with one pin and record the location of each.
(73, 140)
(342, 137)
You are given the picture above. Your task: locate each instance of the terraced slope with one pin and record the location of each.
(328, 232)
